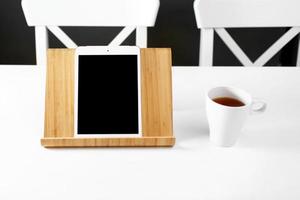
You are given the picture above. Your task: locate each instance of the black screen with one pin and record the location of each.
(108, 94)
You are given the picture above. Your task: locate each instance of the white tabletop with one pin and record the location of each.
(265, 163)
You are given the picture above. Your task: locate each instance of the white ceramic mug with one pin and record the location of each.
(226, 122)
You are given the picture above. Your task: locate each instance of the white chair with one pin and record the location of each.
(133, 14)
(216, 15)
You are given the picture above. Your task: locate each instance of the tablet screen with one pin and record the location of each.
(108, 94)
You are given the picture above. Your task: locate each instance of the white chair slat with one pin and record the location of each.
(90, 12)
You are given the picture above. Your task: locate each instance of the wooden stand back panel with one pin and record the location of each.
(156, 92)
(59, 111)
(156, 81)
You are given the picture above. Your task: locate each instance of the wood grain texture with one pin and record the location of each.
(59, 105)
(109, 142)
(156, 84)
(156, 92)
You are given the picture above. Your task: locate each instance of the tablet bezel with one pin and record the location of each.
(107, 50)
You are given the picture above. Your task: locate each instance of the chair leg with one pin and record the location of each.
(206, 47)
(298, 53)
(41, 45)
(141, 37)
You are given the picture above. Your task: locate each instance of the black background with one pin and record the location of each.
(175, 28)
(108, 95)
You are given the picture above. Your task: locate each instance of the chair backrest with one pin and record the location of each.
(216, 15)
(90, 12)
(133, 14)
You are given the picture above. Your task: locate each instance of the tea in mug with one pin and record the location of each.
(228, 101)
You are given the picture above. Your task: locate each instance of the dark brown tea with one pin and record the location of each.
(227, 101)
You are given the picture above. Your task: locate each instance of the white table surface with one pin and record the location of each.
(265, 163)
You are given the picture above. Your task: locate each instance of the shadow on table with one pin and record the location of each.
(190, 126)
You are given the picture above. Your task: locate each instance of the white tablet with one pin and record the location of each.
(107, 92)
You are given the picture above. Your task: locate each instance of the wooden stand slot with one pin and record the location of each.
(156, 82)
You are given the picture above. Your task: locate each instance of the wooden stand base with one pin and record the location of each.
(156, 84)
(109, 142)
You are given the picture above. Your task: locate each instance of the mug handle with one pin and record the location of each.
(258, 106)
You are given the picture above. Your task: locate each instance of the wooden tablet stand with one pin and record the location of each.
(156, 82)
